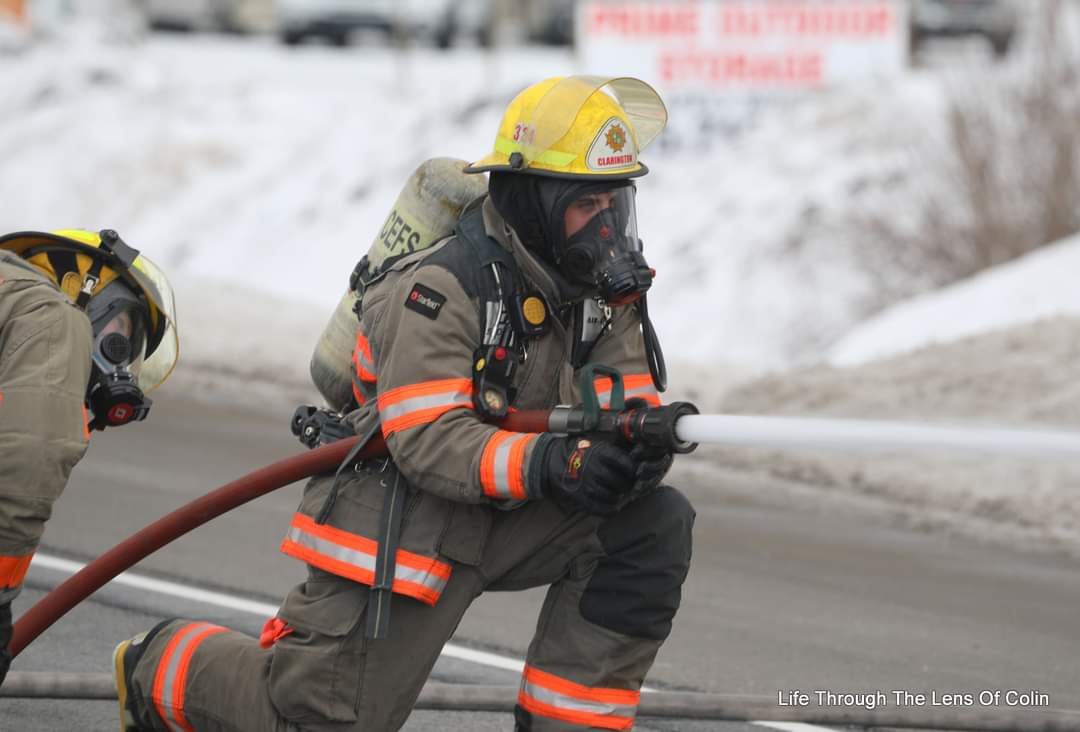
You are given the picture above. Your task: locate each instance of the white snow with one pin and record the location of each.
(273, 168)
(1039, 285)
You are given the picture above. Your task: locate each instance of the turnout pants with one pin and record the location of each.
(614, 589)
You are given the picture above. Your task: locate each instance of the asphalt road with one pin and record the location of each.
(780, 597)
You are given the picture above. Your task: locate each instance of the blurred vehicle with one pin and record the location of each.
(473, 20)
(237, 16)
(441, 22)
(995, 20)
(335, 21)
(551, 22)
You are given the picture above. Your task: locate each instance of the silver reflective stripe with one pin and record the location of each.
(408, 406)
(641, 390)
(562, 701)
(360, 387)
(363, 361)
(327, 548)
(605, 395)
(363, 560)
(167, 701)
(408, 574)
(502, 465)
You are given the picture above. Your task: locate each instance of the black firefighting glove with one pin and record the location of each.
(316, 426)
(5, 640)
(653, 463)
(588, 475)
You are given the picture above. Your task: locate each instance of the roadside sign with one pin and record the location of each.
(725, 55)
(13, 10)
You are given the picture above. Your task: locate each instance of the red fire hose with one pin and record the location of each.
(124, 555)
(137, 547)
(650, 425)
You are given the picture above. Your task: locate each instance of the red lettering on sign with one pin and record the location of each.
(718, 68)
(628, 19)
(795, 18)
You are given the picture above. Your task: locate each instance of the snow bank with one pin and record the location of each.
(1039, 285)
(1025, 375)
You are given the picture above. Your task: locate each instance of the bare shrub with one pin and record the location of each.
(1000, 178)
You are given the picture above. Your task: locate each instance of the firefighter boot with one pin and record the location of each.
(125, 658)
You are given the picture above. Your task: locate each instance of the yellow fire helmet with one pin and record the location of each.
(578, 127)
(84, 263)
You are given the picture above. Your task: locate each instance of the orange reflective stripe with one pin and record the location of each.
(625, 697)
(357, 394)
(638, 386)
(362, 360)
(170, 679)
(417, 404)
(85, 424)
(13, 570)
(550, 696)
(584, 719)
(363, 366)
(426, 388)
(182, 672)
(353, 556)
(502, 465)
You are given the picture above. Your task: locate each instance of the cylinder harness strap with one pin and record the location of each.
(378, 618)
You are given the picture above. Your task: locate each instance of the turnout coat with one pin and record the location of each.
(45, 344)
(414, 361)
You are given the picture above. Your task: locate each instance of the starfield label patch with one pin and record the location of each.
(425, 301)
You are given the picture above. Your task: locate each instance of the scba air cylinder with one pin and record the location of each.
(425, 212)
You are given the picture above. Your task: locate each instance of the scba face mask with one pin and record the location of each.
(118, 319)
(602, 251)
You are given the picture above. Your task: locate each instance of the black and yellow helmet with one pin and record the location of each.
(83, 264)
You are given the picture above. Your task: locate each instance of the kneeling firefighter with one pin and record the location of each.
(86, 331)
(543, 275)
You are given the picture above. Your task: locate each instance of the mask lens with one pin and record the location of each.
(626, 214)
(121, 340)
(602, 247)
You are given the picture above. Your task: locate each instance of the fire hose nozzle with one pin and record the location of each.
(655, 426)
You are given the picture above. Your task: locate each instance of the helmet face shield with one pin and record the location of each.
(561, 106)
(164, 346)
